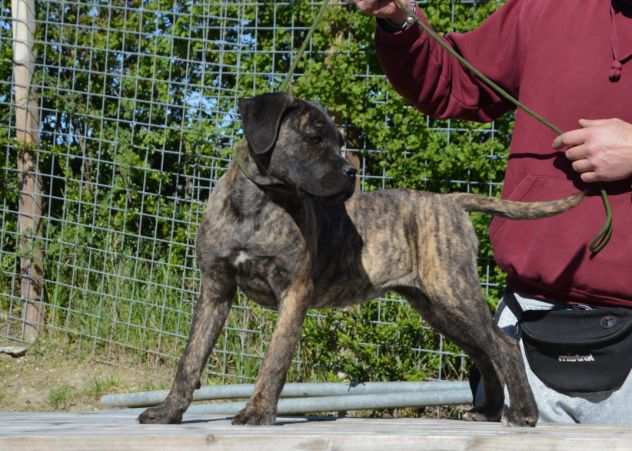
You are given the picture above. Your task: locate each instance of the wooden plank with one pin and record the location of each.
(118, 430)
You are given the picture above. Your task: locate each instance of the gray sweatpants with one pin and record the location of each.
(609, 407)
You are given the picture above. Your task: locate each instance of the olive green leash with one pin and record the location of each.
(604, 235)
(287, 83)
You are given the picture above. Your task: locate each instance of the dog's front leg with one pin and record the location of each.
(261, 407)
(211, 311)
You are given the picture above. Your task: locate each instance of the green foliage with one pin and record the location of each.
(100, 386)
(138, 115)
(60, 397)
(379, 341)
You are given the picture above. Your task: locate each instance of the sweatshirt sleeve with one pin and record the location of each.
(436, 83)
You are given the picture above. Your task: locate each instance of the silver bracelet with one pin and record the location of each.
(406, 23)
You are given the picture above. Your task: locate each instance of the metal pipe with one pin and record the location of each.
(143, 399)
(343, 403)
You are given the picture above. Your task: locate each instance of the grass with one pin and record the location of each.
(55, 375)
(52, 377)
(60, 397)
(100, 386)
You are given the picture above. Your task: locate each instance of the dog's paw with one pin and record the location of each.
(254, 417)
(513, 418)
(161, 414)
(480, 415)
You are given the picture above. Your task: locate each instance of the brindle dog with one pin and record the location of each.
(281, 224)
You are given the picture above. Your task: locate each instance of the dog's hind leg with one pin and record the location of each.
(450, 299)
(496, 355)
(261, 407)
(210, 314)
(452, 302)
(492, 410)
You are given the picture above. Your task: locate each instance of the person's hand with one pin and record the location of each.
(384, 9)
(600, 151)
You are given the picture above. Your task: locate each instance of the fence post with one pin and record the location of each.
(30, 199)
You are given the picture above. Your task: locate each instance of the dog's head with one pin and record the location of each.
(297, 142)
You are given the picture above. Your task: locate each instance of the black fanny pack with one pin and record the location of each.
(575, 350)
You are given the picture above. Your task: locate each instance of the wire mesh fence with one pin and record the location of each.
(137, 115)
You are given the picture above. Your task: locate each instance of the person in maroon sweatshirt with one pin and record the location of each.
(570, 62)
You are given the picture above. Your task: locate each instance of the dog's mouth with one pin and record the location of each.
(336, 198)
(339, 198)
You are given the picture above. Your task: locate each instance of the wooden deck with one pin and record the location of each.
(118, 430)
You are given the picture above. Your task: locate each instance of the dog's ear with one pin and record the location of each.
(261, 118)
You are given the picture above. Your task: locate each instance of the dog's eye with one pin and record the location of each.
(315, 139)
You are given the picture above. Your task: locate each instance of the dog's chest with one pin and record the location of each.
(260, 279)
(242, 259)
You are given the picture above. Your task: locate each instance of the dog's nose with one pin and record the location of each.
(351, 172)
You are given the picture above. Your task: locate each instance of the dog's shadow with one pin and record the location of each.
(280, 421)
(307, 419)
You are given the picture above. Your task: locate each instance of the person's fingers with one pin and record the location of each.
(577, 153)
(590, 177)
(571, 138)
(583, 166)
(373, 6)
(595, 122)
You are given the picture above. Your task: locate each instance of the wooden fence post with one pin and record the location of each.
(30, 199)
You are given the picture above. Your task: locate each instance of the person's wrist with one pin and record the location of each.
(399, 20)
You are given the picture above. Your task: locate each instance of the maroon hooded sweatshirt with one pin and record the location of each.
(566, 59)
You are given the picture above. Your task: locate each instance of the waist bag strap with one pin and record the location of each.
(512, 303)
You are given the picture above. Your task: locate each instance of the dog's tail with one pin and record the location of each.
(515, 209)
